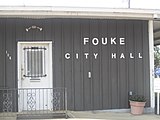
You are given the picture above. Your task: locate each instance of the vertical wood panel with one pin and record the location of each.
(78, 85)
(130, 47)
(95, 69)
(138, 62)
(10, 48)
(106, 73)
(113, 66)
(2, 53)
(122, 66)
(146, 65)
(58, 74)
(87, 82)
(67, 39)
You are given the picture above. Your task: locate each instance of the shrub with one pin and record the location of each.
(137, 98)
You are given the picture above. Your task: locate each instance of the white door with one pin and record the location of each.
(34, 75)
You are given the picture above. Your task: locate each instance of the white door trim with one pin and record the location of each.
(19, 58)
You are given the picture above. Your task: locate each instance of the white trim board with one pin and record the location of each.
(77, 12)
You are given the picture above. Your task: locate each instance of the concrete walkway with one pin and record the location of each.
(96, 115)
(113, 116)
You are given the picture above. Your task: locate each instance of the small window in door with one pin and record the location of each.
(34, 61)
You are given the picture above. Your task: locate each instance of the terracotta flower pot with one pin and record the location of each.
(137, 108)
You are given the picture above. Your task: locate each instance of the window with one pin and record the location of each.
(34, 61)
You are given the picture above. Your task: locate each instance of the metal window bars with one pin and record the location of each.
(30, 102)
(34, 62)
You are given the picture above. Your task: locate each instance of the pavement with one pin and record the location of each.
(112, 116)
(99, 115)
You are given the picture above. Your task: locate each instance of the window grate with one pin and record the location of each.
(34, 62)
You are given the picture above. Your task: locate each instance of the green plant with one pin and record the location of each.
(137, 98)
(156, 56)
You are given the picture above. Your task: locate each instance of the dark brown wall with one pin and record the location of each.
(111, 80)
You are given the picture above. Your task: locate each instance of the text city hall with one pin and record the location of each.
(104, 41)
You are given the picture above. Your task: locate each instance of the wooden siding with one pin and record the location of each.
(111, 79)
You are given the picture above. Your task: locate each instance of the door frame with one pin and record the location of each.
(49, 43)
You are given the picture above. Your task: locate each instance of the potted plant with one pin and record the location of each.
(137, 103)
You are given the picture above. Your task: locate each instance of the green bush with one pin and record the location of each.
(137, 98)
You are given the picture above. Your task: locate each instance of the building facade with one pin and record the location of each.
(100, 61)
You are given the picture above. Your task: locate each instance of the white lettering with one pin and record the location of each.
(131, 55)
(95, 55)
(114, 55)
(104, 41)
(86, 40)
(121, 40)
(113, 40)
(67, 56)
(86, 54)
(139, 55)
(122, 56)
(95, 41)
